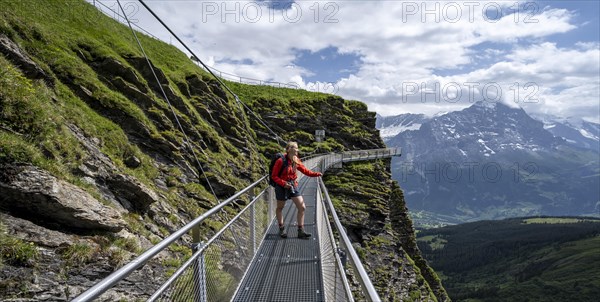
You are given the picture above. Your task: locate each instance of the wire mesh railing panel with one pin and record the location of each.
(329, 269)
(225, 261)
(334, 282)
(185, 288)
(219, 265)
(260, 218)
(216, 270)
(353, 259)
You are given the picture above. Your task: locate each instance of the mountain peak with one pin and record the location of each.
(485, 104)
(494, 159)
(495, 105)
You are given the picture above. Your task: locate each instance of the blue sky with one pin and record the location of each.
(327, 64)
(395, 55)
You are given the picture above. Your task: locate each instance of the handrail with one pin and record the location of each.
(331, 237)
(358, 267)
(322, 162)
(332, 159)
(129, 268)
(200, 250)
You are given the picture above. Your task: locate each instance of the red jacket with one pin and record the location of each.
(289, 174)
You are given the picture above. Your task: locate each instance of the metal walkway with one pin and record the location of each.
(287, 269)
(247, 260)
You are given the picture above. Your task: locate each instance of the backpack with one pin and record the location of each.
(273, 160)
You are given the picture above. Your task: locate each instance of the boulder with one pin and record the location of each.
(132, 162)
(35, 192)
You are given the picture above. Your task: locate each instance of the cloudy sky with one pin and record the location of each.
(401, 56)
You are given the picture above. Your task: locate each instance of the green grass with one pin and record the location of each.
(277, 98)
(79, 254)
(32, 129)
(16, 251)
(558, 220)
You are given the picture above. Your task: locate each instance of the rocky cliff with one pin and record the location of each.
(97, 164)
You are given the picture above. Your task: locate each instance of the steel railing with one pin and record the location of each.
(255, 211)
(216, 267)
(333, 255)
(335, 284)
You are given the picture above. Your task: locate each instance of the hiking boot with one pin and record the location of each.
(302, 234)
(282, 232)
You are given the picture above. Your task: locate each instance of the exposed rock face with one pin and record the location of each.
(132, 194)
(31, 190)
(122, 189)
(403, 226)
(32, 232)
(164, 90)
(57, 277)
(20, 58)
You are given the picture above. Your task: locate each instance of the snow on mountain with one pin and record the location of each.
(494, 161)
(392, 131)
(391, 126)
(575, 131)
(484, 129)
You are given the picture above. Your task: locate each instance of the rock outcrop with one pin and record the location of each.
(31, 191)
(13, 52)
(374, 212)
(99, 170)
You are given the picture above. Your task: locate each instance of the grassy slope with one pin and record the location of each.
(62, 37)
(53, 43)
(34, 120)
(539, 259)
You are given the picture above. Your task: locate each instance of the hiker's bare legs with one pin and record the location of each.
(279, 211)
(299, 202)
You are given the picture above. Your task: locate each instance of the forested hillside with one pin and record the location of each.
(520, 259)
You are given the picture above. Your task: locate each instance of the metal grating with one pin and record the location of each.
(215, 271)
(287, 269)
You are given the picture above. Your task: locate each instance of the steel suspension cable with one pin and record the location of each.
(187, 140)
(118, 15)
(277, 137)
(151, 35)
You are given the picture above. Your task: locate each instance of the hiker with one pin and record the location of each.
(286, 187)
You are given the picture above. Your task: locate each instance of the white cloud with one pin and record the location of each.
(399, 42)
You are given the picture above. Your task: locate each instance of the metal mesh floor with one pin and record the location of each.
(287, 269)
